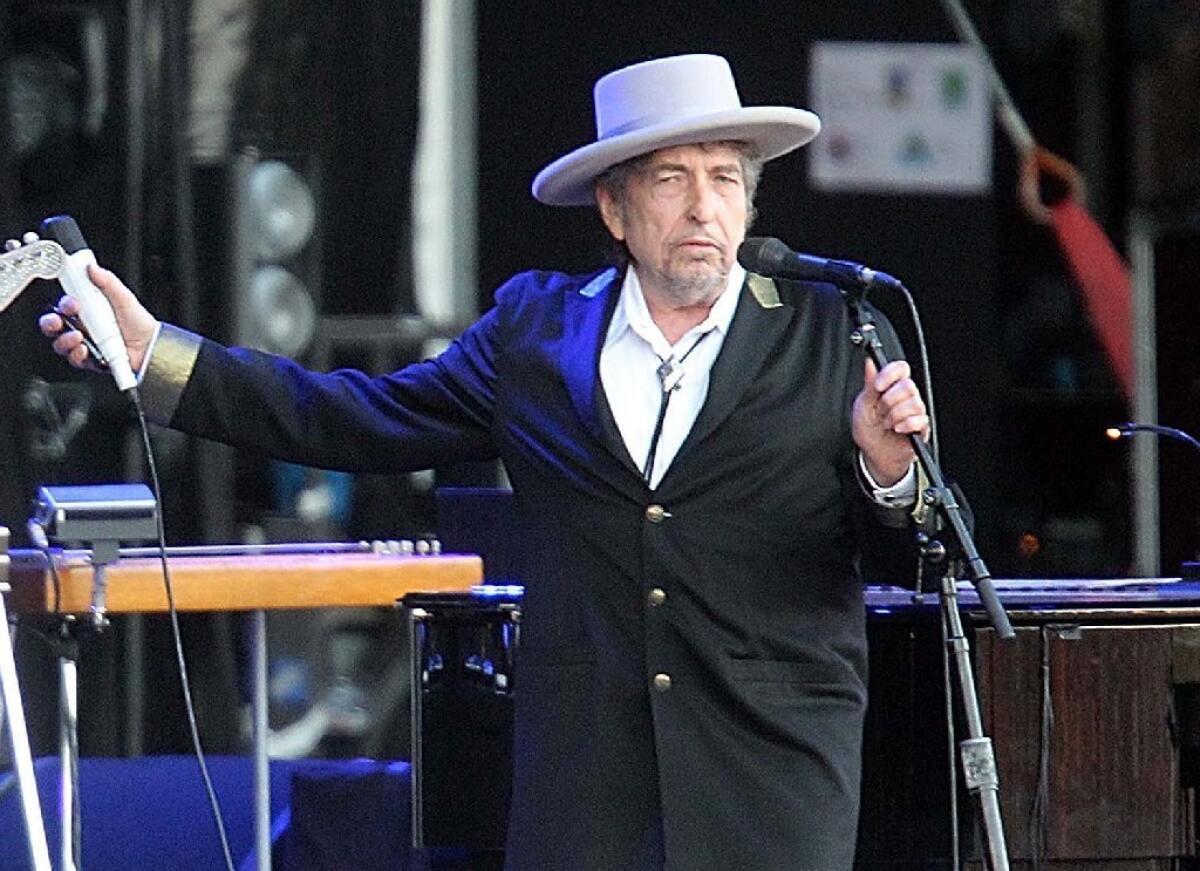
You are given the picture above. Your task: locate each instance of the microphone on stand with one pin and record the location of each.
(770, 257)
(1189, 569)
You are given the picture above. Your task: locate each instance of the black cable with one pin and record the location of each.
(214, 803)
(37, 535)
(927, 392)
(926, 377)
(947, 680)
(17, 626)
(670, 374)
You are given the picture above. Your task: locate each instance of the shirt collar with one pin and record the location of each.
(631, 312)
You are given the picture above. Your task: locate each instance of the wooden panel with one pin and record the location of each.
(1112, 789)
(1114, 769)
(1009, 685)
(239, 583)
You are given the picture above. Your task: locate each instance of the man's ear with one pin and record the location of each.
(610, 213)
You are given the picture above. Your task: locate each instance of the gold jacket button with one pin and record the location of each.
(662, 682)
(656, 513)
(656, 597)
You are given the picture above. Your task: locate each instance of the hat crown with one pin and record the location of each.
(663, 90)
(663, 103)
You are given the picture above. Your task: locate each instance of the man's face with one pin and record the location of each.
(683, 218)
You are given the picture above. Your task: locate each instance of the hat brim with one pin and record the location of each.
(772, 131)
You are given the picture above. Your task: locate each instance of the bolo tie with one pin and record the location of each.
(670, 374)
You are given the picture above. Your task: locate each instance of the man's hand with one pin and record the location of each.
(136, 323)
(887, 411)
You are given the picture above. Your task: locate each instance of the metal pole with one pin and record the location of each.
(68, 754)
(1143, 456)
(978, 759)
(31, 811)
(262, 772)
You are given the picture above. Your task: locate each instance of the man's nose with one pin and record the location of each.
(704, 202)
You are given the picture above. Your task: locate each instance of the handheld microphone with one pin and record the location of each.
(770, 257)
(94, 309)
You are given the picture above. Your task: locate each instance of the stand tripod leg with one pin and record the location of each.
(979, 762)
(35, 832)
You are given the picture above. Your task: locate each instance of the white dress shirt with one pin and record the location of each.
(633, 350)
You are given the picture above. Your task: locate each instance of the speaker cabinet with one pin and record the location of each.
(463, 680)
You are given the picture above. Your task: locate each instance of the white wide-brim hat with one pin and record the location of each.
(660, 103)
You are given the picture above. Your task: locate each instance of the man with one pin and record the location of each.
(692, 451)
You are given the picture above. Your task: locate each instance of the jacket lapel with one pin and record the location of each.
(587, 313)
(759, 321)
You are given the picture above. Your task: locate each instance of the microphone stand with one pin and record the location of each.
(978, 759)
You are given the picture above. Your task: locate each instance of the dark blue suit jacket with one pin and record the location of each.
(750, 759)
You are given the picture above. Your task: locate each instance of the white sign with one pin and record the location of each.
(900, 117)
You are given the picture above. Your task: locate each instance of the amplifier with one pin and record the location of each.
(463, 650)
(1120, 652)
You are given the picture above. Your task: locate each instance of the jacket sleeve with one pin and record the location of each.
(434, 412)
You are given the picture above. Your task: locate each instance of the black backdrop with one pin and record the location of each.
(537, 65)
(356, 98)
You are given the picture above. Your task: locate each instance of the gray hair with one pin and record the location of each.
(615, 179)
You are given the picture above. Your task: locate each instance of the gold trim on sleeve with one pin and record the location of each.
(170, 367)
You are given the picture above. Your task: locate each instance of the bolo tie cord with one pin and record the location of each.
(670, 375)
